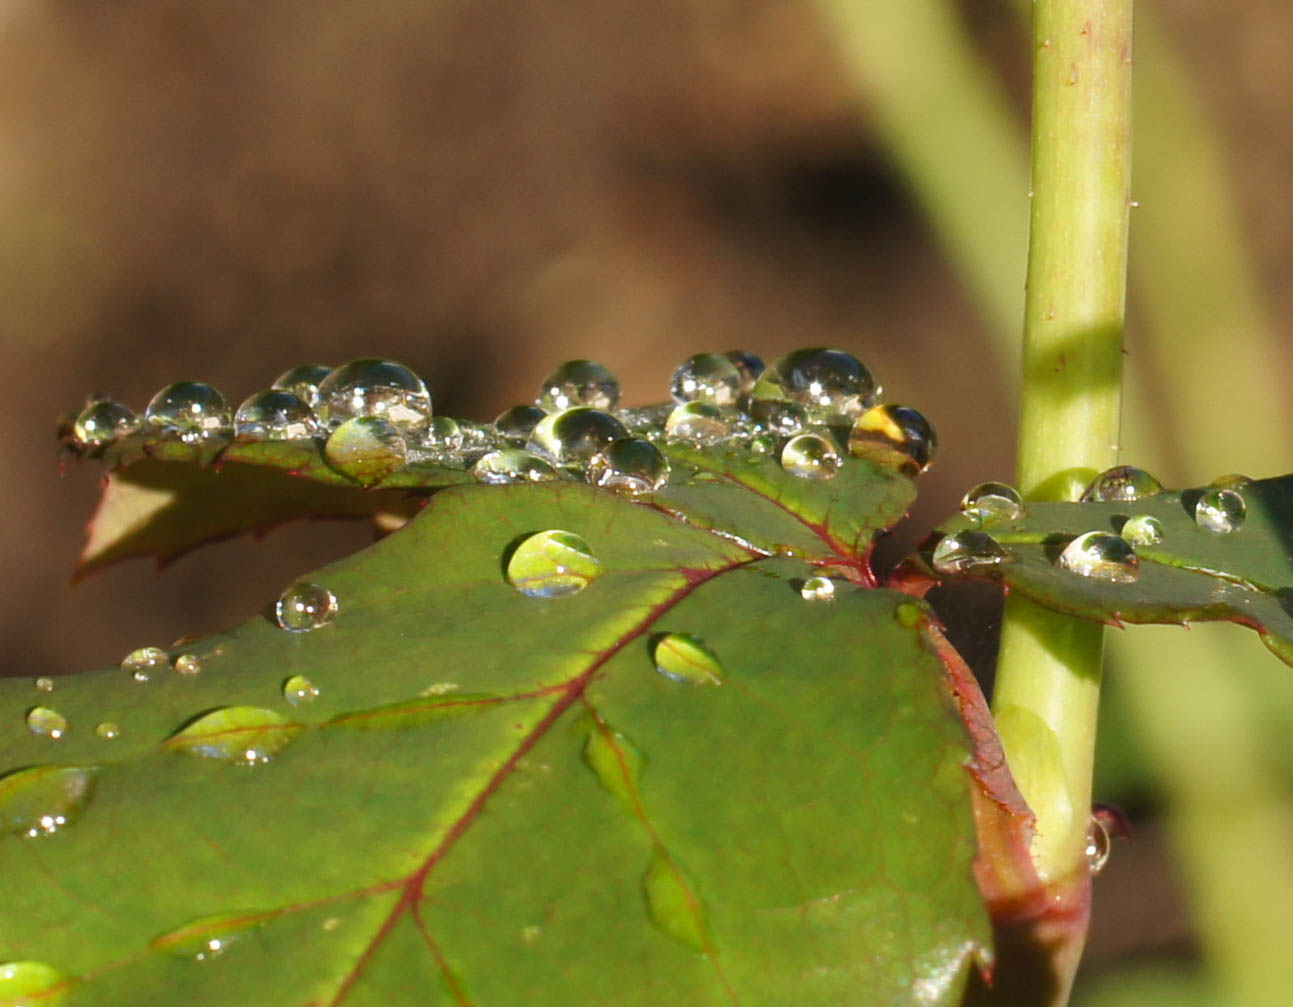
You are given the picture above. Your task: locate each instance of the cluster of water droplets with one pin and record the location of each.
(811, 410)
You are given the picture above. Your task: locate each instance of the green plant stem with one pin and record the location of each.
(1048, 677)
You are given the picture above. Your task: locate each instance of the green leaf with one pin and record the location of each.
(462, 793)
(1195, 572)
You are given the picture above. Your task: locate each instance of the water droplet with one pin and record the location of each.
(749, 365)
(697, 423)
(810, 456)
(191, 410)
(630, 464)
(686, 658)
(46, 722)
(299, 690)
(673, 904)
(102, 422)
(518, 422)
(993, 503)
(1122, 484)
(1230, 481)
(367, 449)
(380, 389)
(616, 763)
(909, 615)
(1101, 556)
(444, 435)
(303, 381)
(897, 437)
(573, 436)
(274, 415)
(833, 386)
(40, 800)
(579, 383)
(108, 730)
(1220, 510)
(31, 984)
(964, 551)
(818, 589)
(512, 465)
(707, 377)
(304, 607)
(144, 662)
(44, 684)
(241, 735)
(781, 419)
(210, 936)
(188, 664)
(551, 564)
(1142, 530)
(1097, 845)
(763, 444)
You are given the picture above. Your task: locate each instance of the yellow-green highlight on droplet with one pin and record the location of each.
(208, 937)
(686, 658)
(32, 984)
(40, 800)
(616, 763)
(552, 564)
(673, 904)
(241, 735)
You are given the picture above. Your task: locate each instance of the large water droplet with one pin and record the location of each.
(305, 606)
(965, 551)
(32, 984)
(145, 662)
(516, 423)
(191, 410)
(833, 386)
(1101, 556)
(41, 800)
(46, 722)
(1220, 510)
(1122, 484)
(573, 436)
(897, 437)
(1142, 530)
(616, 763)
(673, 904)
(512, 465)
(367, 449)
(274, 415)
(993, 503)
(697, 423)
(707, 377)
(818, 589)
(630, 465)
(579, 383)
(779, 418)
(749, 365)
(210, 936)
(188, 665)
(810, 456)
(686, 658)
(375, 388)
(303, 381)
(242, 735)
(299, 690)
(102, 422)
(551, 564)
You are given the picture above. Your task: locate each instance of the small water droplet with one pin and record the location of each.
(44, 684)
(1142, 530)
(897, 437)
(909, 615)
(781, 419)
(46, 722)
(444, 435)
(144, 662)
(579, 383)
(1230, 481)
(379, 389)
(684, 657)
(188, 664)
(810, 456)
(191, 410)
(763, 444)
(673, 904)
(1097, 845)
(833, 386)
(108, 730)
(305, 606)
(818, 589)
(241, 735)
(40, 800)
(210, 936)
(512, 465)
(616, 763)
(552, 564)
(101, 422)
(274, 415)
(303, 381)
(1101, 556)
(749, 365)
(1220, 510)
(516, 423)
(367, 449)
(964, 551)
(1122, 484)
(697, 423)
(707, 377)
(631, 465)
(32, 984)
(573, 436)
(299, 690)
(993, 503)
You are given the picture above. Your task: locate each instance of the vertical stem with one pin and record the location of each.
(1048, 678)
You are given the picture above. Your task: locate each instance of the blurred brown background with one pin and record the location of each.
(219, 191)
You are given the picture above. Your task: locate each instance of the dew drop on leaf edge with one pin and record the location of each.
(965, 551)
(992, 503)
(143, 662)
(1101, 556)
(574, 435)
(1142, 530)
(1221, 510)
(192, 410)
(631, 465)
(378, 389)
(274, 415)
(1122, 484)
(707, 377)
(894, 436)
(579, 383)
